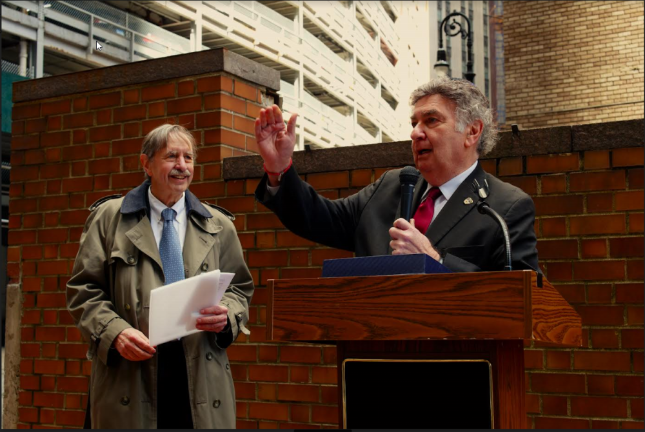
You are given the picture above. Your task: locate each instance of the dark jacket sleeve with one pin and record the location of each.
(303, 211)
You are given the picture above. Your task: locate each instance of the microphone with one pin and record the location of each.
(484, 208)
(408, 178)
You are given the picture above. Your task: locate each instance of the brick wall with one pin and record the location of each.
(68, 150)
(573, 62)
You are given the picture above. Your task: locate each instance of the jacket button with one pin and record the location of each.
(227, 366)
(127, 307)
(216, 403)
(125, 400)
(204, 266)
(209, 356)
(130, 259)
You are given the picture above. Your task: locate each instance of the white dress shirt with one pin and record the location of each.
(156, 220)
(447, 190)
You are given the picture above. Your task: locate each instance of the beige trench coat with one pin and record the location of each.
(117, 266)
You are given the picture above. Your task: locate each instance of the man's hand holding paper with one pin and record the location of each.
(217, 320)
(186, 307)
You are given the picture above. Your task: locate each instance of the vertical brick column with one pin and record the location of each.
(77, 138)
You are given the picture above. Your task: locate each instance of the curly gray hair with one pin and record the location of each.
(471, 105)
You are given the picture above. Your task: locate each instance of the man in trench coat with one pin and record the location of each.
(179, 384)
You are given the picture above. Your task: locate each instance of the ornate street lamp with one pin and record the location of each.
(442, 66)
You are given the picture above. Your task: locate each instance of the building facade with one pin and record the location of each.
(347, 67)
(573, 62)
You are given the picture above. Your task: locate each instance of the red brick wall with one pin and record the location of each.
(70, 151)
(67, 153)
(589, 208)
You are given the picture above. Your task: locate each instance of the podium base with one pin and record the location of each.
(417, 394)
(423, 384)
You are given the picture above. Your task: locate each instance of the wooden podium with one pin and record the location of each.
(455, 317)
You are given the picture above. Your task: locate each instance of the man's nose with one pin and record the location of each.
(181, 163)
(416, 133)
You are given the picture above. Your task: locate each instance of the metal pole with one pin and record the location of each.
(454, 29)
(40, 40)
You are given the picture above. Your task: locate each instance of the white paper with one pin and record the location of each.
(174, 308)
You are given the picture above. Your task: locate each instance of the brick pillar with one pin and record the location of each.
(77, 138)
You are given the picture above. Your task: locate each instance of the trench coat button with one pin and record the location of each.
(125, 400)
(216, 403)
(130, 259)
(127, 307)
(204, 266)
(227, 366)
(209, 356)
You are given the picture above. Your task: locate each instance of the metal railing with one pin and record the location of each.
(13, 68)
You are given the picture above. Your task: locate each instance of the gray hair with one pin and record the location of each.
(471, 105)
(157, 139)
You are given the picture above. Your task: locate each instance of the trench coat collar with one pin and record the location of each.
(137, 200)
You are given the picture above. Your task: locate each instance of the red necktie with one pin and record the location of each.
(423, 215)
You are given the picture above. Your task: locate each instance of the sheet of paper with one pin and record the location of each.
(175, 308)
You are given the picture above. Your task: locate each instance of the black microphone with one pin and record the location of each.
(484, 208)
(408, 178)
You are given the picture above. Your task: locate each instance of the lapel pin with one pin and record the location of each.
(468, 201)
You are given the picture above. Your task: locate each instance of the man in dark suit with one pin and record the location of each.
(452, 126)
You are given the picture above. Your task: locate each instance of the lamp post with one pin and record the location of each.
(454, 29)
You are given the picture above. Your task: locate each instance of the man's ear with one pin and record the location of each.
(145, 162)
(474, 131)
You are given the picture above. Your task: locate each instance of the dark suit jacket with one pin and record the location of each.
(468, 240)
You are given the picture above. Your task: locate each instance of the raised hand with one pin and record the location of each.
(133, 345)
(275, 140)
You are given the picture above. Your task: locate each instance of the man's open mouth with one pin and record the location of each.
(424, 151)
(180, 177)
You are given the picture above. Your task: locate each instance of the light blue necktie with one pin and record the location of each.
(170, 249)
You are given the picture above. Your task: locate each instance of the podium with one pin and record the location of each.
(448, 345)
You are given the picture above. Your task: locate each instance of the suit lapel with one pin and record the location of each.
(419, 188)
(142, 238)
(199, 241)
(458, 206)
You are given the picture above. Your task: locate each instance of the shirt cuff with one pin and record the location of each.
(272, 189)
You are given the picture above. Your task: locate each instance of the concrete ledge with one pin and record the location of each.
(603, 136)
(562, 139)
(196, 63)
(532, 142)
(323, 160)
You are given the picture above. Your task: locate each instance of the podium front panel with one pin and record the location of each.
(417, 394)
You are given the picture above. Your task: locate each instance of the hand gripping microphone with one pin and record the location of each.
(484, 208)
(408, 178)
